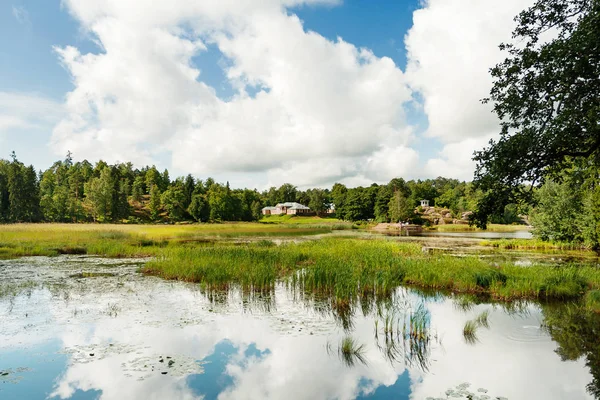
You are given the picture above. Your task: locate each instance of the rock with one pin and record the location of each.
(448, 215)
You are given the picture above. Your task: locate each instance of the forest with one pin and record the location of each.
(71, 191)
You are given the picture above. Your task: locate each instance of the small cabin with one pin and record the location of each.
(424, 203)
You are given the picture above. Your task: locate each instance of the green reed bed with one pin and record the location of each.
(345, 268)
(531, 244)
(470, 332)
(471, 228)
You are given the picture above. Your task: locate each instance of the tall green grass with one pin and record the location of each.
(531, 244)
(470, 228)
(20, 240)
(346, 268)
(335, 267)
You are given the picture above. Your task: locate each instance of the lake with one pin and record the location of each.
(78, 327)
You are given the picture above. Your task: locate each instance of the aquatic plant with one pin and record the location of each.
(351, 352)
(592, 300)
(406, 336)
(470, 332)
(531, 244)
(462, 391)
(219, 256)
(482, 319)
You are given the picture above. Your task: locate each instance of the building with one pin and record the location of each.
(288, 208)
(424, 203)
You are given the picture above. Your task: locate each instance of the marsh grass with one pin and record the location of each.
(531, 244)
(18, 240)
(470, 332)
(482, 319)
(592, 300)
(404, 334)
(9, 290)
(351, 352)
(490, 228)
(350, 268)
(342, 268)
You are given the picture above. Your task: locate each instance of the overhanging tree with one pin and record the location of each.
(546, 94)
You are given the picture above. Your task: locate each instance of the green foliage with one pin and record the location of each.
(173, 202)
(198, 208)
(79, 192)
(137, 190)
(546, 95)
(99, 193)
(400, 209)
(559, 206)
(155, 203)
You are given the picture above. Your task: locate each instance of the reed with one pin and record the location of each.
(351, 352)
(338, 267)
(531, 244)
(346, 268)
(592, 301)
(471, 228)
(470, 332)
(482, 319)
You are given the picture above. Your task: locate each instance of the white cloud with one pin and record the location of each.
(324, 111)
(456, 159)
(19, 111)
(319, 100)
(21, 15)
(451, 48)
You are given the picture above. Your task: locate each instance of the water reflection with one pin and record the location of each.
(119, 335)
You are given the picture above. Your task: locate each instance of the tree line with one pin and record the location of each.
(71, 191)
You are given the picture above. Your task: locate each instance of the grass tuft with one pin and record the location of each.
(470, 332)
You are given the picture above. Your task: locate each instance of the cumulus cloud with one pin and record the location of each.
(305, 109)
(301, 101)
(451, 48)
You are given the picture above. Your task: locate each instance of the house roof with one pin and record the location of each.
(293, 206)
(269, 208)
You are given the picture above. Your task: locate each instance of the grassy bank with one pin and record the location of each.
(350, 267)
(20, 240)
(490, 228)
(531, 244)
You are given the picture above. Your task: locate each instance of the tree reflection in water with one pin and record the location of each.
(577, 333)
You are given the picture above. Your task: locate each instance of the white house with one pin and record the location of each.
(289, 208)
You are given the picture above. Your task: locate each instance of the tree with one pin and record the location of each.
(137, 189)
(154, 202)
(546, 95)
(558, 206)
(318, 200)
(382, 203)
(198, 208)
(99, 194)
(400, 208)
(287, 193)
(338, 196)
(173, 201)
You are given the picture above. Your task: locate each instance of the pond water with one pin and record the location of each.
(87, 328)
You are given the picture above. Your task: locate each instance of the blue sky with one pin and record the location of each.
(44, 43)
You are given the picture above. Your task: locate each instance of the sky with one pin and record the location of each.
(255, 92)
